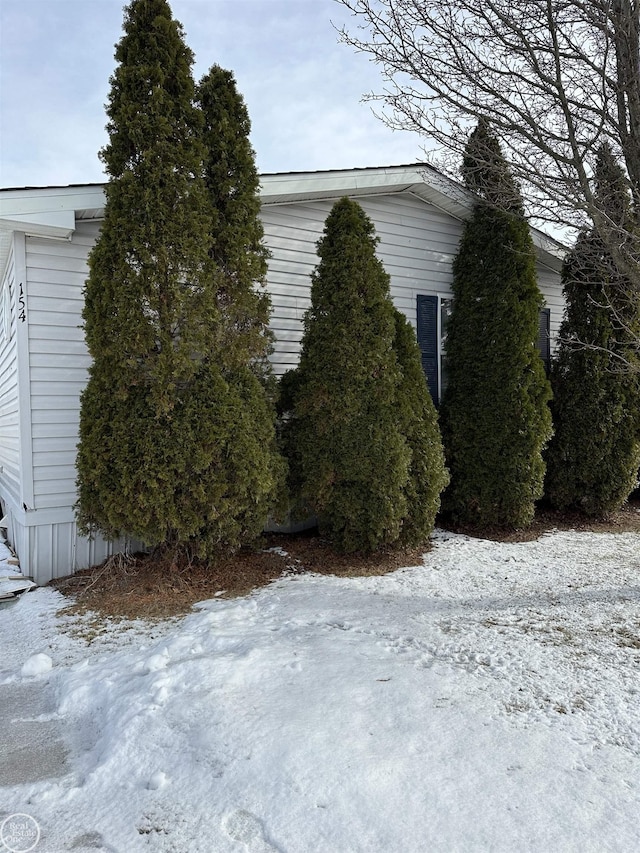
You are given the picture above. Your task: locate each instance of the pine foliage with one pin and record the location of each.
(593, 458)
(418, 422)
(495, 418)
(486, 173)
(236, 246)
(360, 432)
(348, 458)
(171, 439)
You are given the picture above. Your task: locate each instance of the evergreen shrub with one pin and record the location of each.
(495, 419)
(593, 458)
(176, 433)
(350, 435)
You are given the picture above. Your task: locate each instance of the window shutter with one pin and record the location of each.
(544, 337)
(427, 314)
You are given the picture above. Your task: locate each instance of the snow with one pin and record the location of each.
(8, 564)
(12, 583)
(488, 699)
(36, 665)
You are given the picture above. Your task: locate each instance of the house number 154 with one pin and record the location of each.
(22, 315)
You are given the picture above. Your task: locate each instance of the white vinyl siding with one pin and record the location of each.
(417, 245)
(50, 550)
(56, 272)
(45, 534)
(44, 364)
(549, 284)
(9, 408)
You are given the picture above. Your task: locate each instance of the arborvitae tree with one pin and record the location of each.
(418, 423)
(160, 420)
(495, 418)
(349, 460)
(593, 458)
(236, 245)
(239, 253)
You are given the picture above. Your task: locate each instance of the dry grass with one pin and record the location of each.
(149, 587)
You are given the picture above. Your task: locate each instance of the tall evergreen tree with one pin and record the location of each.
(593, 458)
(159, 417)
(240, 255)
(418, 422)
(237, 234)
(349, 460)
(495, 419)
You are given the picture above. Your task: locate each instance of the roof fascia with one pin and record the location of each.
(36, 200)
(46, 223)
(421, 180)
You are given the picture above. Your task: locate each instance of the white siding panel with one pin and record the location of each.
(57, 272)
(50, 470)
(417, 245)
(39, 332)
(287, 330)
(9, 415)
(67, 283)
(61, 347)
(56, 402)
(40, 264)
(49, 433)
(57, 452)
(68, 319)
(48, 386)
(51, 305)
(549, 283)
(44, 254)
(74, 363)
(54, 550)
(42, 418)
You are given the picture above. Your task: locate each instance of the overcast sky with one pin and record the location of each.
(303, 89)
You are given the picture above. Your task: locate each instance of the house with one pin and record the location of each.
(45, 237)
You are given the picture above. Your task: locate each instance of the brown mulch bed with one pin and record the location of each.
(148, 587)
(625, 520)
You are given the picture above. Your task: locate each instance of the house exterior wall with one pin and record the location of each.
(44, 370)
(549, 284)
(50, 548)
(9, 415)
(39, 493)
(59, 361)
(418, 243)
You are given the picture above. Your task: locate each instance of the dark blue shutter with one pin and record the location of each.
(544, 337)
(427, 311)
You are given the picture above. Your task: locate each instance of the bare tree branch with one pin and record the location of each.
(554, 78)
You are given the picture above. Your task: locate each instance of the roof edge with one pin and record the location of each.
(420, 178)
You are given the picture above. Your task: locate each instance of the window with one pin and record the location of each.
(544, 337)
(433, 313)
(433, 318)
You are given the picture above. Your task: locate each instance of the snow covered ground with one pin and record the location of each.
(487, 700)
